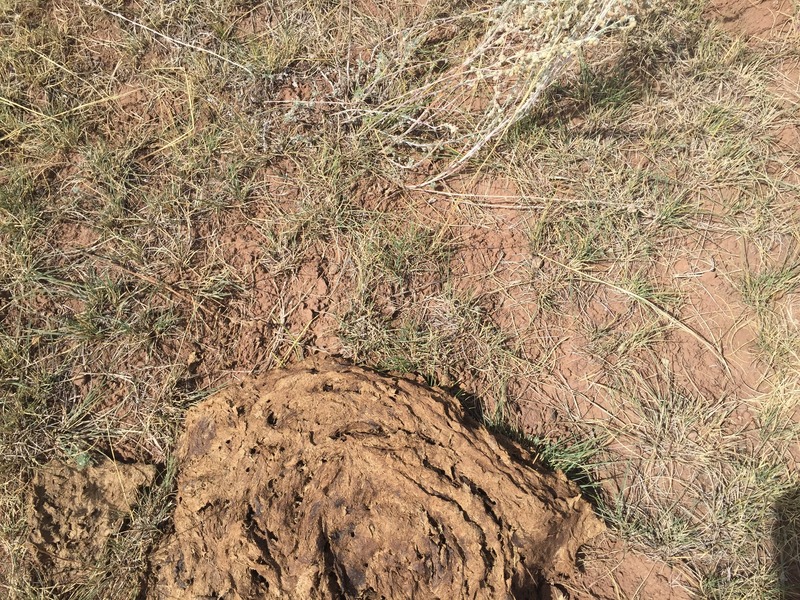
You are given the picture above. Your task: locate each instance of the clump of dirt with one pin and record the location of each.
(75, 512)
(326, 480)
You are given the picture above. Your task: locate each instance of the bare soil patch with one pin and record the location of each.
(762, 19)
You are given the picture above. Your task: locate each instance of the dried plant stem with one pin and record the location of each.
(168, 38)
(652, 306)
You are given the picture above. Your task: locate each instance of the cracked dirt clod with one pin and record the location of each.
(327, 481)
(75, 512)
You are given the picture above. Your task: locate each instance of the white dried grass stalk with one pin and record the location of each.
(525, 47)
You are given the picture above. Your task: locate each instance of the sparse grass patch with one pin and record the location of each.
(760, 289)
(688, 157)
(171, 173)
(446, 337)
(691, 488)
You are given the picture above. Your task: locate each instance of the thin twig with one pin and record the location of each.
(652, 306)
(168, 38)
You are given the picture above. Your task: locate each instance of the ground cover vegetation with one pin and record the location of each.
(582, 217)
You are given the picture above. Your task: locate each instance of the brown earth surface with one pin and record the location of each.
(761, 19)
(351, 474)
(75, 513)
(326, 480)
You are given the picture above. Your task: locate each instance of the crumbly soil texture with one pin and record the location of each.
(77, 513)
(327, 480)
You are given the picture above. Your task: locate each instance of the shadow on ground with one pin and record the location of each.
(786, 536)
